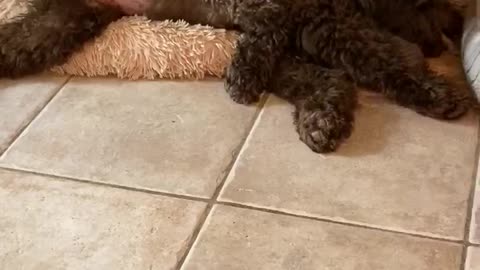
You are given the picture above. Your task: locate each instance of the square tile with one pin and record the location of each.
(21, 100)
(399, 170)
(234, 238)
(53, 224)
(473, 259)
(175, 137)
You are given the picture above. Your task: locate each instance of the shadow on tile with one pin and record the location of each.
(369, 134)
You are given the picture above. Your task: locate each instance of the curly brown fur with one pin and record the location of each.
(48, 34)
(418, 21)
(310, 52)
(53, 29)
(369, 57)
(216, 13)
(333, 34)
(423, 22)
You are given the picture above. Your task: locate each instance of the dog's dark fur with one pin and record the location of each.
(49, 33)
(313, 52)
(417, 21)
(310, 52)
(53, 29)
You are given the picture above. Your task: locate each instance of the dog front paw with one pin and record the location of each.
(323, 131)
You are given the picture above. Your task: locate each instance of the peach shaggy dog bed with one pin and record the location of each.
(136, 48)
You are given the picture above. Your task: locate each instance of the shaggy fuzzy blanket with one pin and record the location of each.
(136, 48)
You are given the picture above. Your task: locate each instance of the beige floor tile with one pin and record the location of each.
(244, 239)
(170, 136)
(473, 259)
(21, 100)
(398, 171)
(53, 224)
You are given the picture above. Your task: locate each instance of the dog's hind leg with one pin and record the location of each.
(368, 55)
(48, 34)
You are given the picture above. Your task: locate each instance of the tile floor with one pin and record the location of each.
(108, 174)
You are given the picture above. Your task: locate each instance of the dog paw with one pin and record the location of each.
(323, 131)
(243, 86)
(444, 102)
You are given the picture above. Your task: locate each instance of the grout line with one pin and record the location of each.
(473, 245)
(467, 264)
(195, 236)
(471, 201)
(37, 113)
(344, 223)
(240, 149)
(111, 185)
(231, 174)
(212, 202)
(463, 258)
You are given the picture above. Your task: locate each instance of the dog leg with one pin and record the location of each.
(257, 50)
(324, 102)
(48, 34)
(369, 57)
